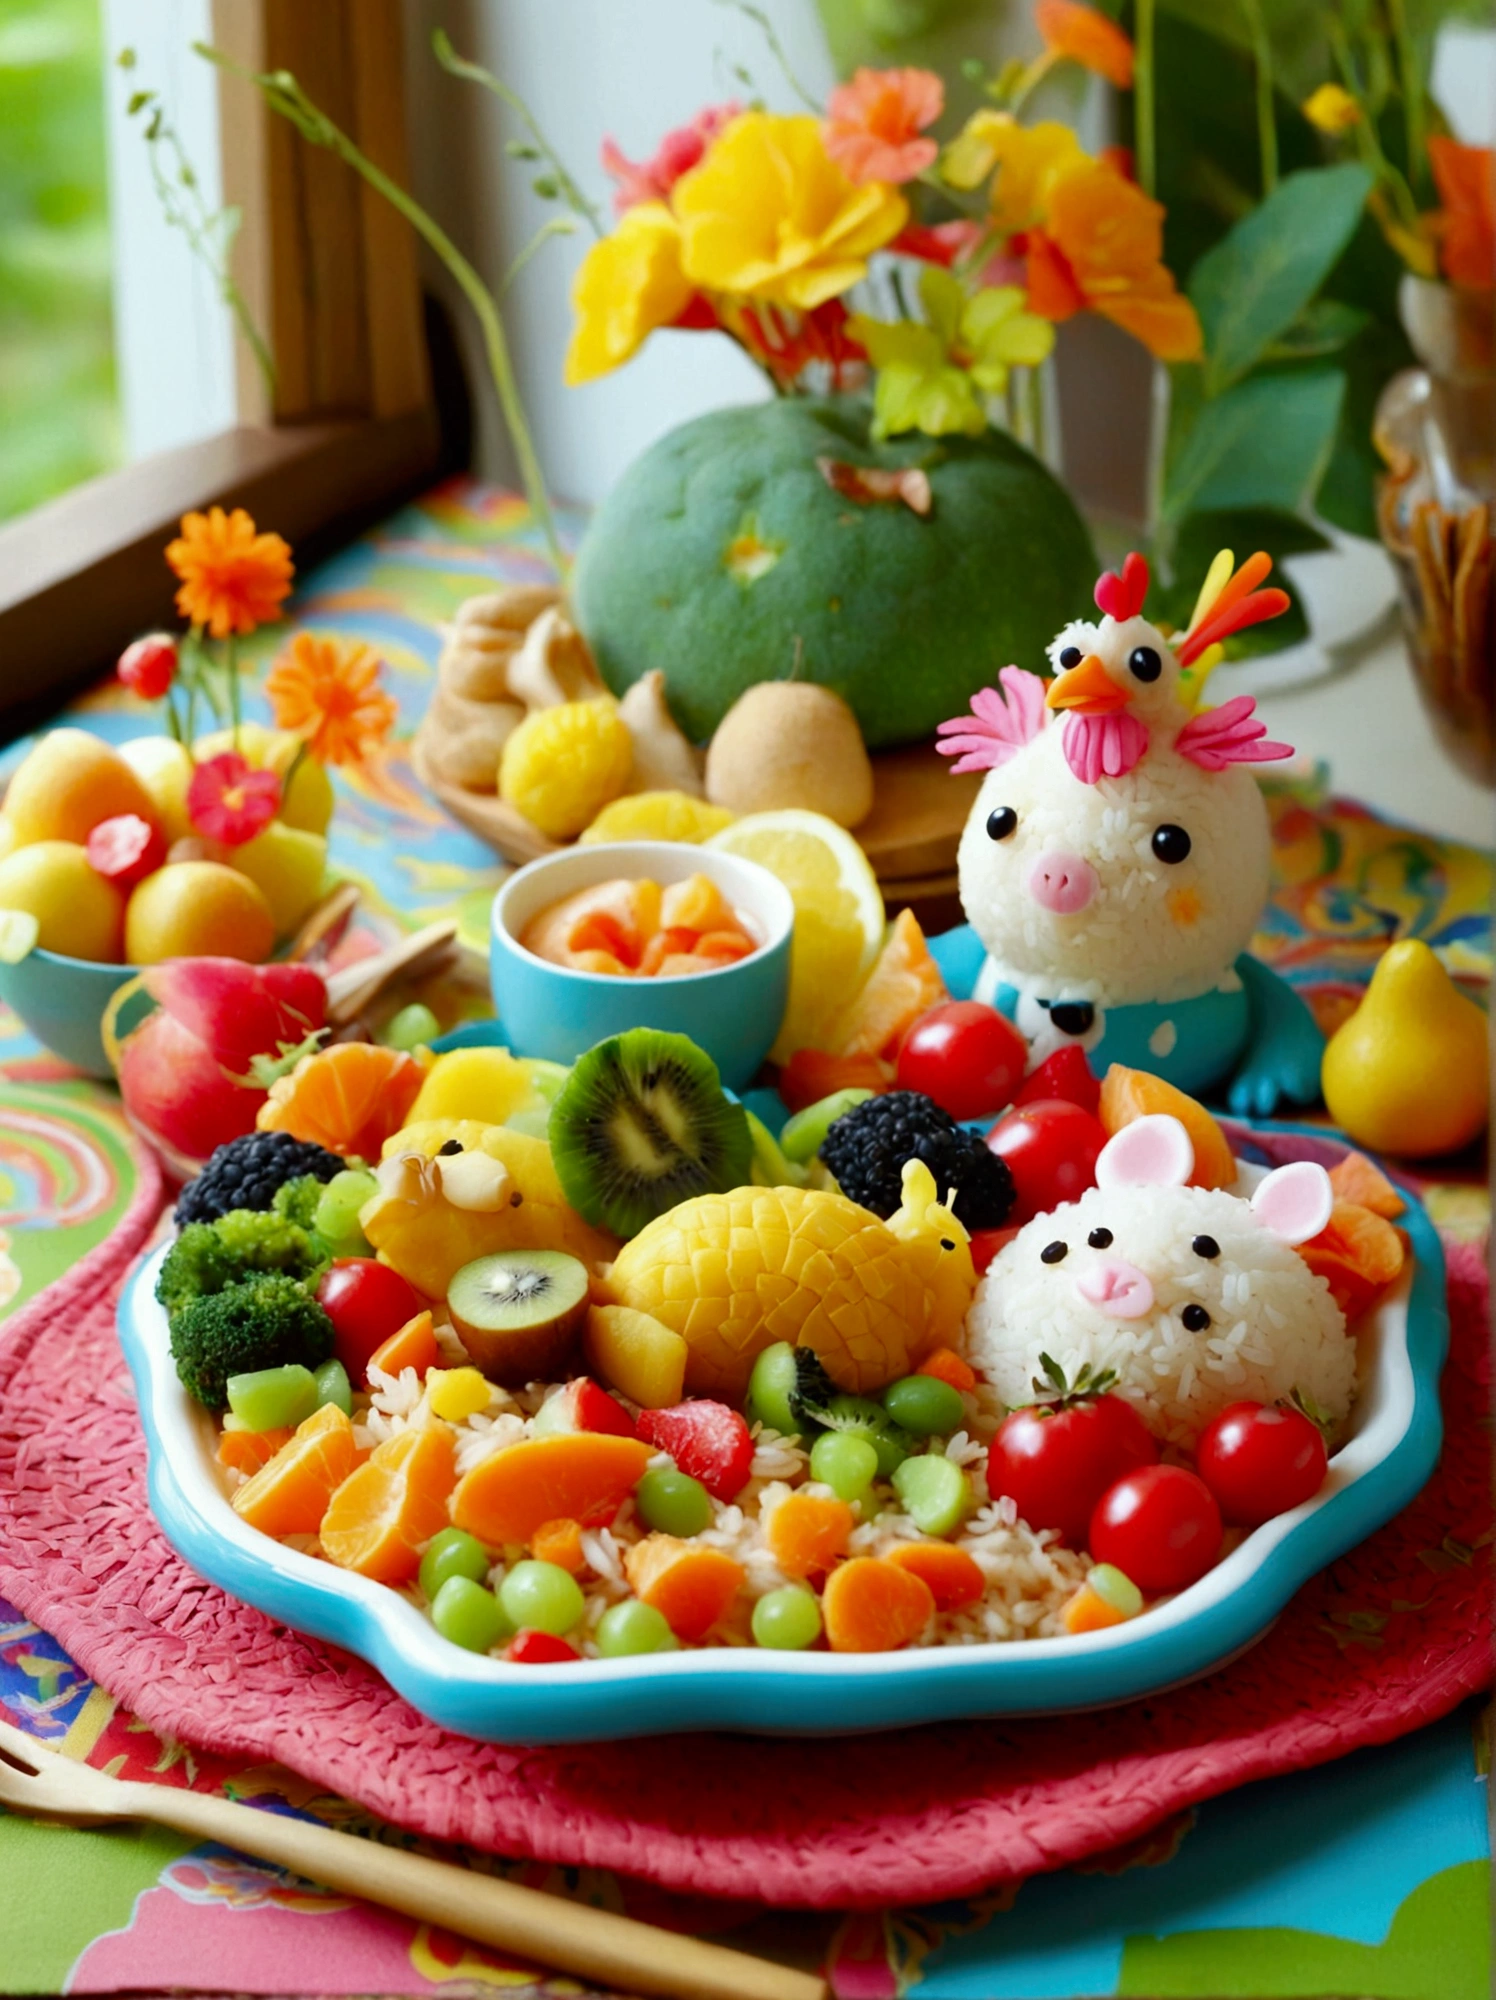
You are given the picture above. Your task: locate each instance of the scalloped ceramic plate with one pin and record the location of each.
(1391, 1452)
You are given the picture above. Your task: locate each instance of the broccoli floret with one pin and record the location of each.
(207, 1256)
(265, 1321)
(297, 1201)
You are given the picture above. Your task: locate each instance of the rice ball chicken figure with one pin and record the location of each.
(1115, 864)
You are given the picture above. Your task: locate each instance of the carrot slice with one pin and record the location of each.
(410, 1346)
(689, 1586)
(807, 1532)
(559, 1542)
(247, 1451)
(947, 1366)
(582, 1476)
(955, 1578)
(874, 1606)
(289, 1494)
(383, 1514)
(1358, 1254)
(1357, 1179)
(1134, 1093)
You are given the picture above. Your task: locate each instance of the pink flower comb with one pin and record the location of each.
(1230, 734)
(1122, 596)
(996, 729)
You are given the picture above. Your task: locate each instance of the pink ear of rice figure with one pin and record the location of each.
(1195, 1297)
(1115, 864)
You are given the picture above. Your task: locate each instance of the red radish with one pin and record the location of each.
(539, 1649)
(366, 1302)
(177, 1097)
(1066, 1074)
(125, 849)
(706, 1439)
(966, 1056)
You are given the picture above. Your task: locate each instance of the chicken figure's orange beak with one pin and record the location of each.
(1089, 689)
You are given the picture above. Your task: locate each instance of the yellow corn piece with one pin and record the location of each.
(455, 1393)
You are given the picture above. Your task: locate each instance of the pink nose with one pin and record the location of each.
(1062, 882)
(1119, 1289)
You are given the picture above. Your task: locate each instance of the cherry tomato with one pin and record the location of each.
(149, 665)
(1056, 1460)
(985, 1244)
(1050, 1147)
(539, 1649)
(1160, 1526)
(968, 1057)
(1066, 1074)
(1259, 1460)
(366, 1302)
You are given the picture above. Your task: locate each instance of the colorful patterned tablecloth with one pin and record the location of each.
(1364, 1877)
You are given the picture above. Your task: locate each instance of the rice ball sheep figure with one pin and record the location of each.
(1195, 1296)
(1115, 864)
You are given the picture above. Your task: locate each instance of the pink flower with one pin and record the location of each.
(677, 153)
(941, 243)
(873, 123)
(229, 801)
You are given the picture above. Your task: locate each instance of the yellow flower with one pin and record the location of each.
(1028, 158)
(1331, 109)
(629, 283)
(929, 375)
(769, 215)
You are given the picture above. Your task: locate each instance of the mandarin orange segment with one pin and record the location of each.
(904, 983)
(410, 1346)
(289, 1494)
(383, 1515)
(349, 1098)
(1127, 1094)
(1357, 1253)
(559, 1542)
(584, 1476)
(955, 1578)
(874, 1606)
(1359, 1180)
(811, 1074)
(247, 1451)
(948, 1366)
(807, 1532)
(1087, 1611)
(690, 1587)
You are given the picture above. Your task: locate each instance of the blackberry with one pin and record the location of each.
(246, 1173)
(867, 1146)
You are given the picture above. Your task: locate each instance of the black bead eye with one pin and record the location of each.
(1206, 1246)
(1144, 664)
(1100, 1239)
(450, 1146)
(1054, 1253)
(1071, 657)
(1001, 823)
(1195, 1318)
(1171, 844)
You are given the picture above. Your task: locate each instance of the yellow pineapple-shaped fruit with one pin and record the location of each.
(733, 1273)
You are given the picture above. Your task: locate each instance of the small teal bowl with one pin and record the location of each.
(63, 1000)
(552, 1011)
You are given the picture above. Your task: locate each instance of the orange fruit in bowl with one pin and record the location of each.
(68, 783)
(197, 909)
(77, 912)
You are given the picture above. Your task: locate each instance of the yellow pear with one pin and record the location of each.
(66, 783)
(164, 767)
(1409, 1072)
(309, 802)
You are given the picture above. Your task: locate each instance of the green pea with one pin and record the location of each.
(633, 1627)
(333, 1386)
(411, 1028)
(847, 1464)
(804, 1135)
(542, 1596)
(467, 1614)
(270, 1399)
(673, 1502)
(452, 1552)
(933, 1491)
(787, 1619)
(925, 1405)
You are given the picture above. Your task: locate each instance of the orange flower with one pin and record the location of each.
(1466, 224)
(1101, 249)
(326, 690)
(873, 123)
(233, 579)
(1085, 37)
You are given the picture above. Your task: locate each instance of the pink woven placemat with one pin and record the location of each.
(1390, 1637)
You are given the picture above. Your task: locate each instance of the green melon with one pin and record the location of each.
(725, 557)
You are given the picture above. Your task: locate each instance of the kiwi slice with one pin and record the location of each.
(642, 1124)
(784, 1380)
(861, 1417)
(519, 1313)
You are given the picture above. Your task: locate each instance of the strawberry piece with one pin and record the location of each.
(1066, 1074)
(125, 849)
(539, 1649)
(706, 1439)
(593, 1409)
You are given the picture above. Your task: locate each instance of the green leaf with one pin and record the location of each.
(1258, 279)
(1264, 443)
(1323, 327)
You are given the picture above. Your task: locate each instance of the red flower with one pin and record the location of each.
(149, 667)
(1467, 222)
(873, 124)
(676, 154)
(941, 244)
(229, 801)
